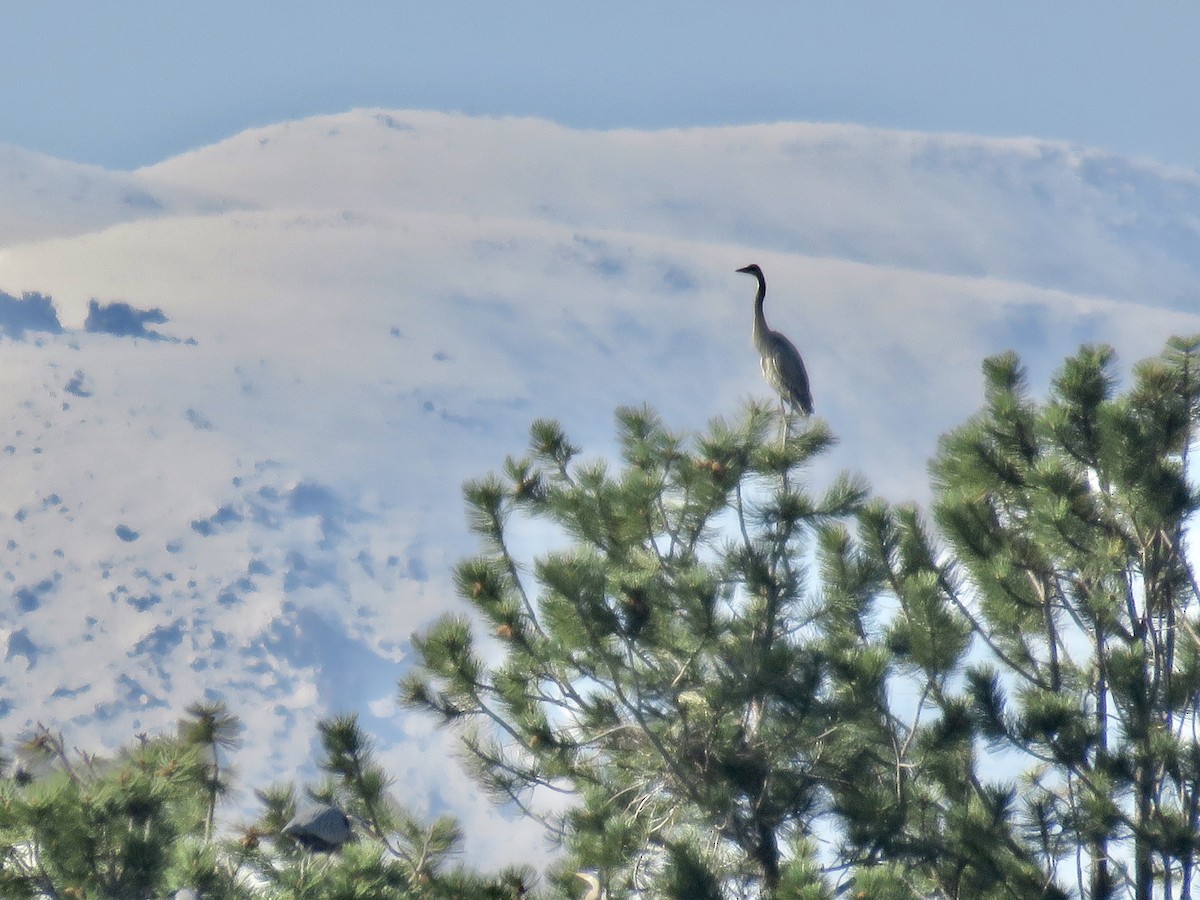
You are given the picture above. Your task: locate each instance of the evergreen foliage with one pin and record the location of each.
(1065, 525)
(716, 681)
(739, 686)
(392, 856)
(670, 668)
(140, 825)
(76, 826)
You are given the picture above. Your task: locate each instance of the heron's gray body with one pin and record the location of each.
(781, 363)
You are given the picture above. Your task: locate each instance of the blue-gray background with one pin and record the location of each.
(128, 83)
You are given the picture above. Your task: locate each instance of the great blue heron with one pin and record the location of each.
(781, 363)
(319, 829)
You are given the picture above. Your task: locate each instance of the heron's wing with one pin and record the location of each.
(788, 376)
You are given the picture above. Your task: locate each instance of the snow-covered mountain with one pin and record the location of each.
(42, 197)
(239, 390)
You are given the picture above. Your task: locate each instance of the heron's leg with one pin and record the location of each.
(785, 428)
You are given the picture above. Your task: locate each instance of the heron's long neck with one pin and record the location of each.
(760, 321)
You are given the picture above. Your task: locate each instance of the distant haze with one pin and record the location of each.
(131, 84)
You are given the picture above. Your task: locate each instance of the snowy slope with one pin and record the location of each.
(41, 197)
(1044, 213)
(244, 481)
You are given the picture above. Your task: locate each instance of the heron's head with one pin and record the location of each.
(752, 269)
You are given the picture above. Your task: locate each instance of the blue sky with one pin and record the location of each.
(129, 83)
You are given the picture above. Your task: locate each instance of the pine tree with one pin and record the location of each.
(391, 854)
(1065, 528)
(141, 825)
(1001, 708)
(669, 667)
(75, 825)
(210, 727)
